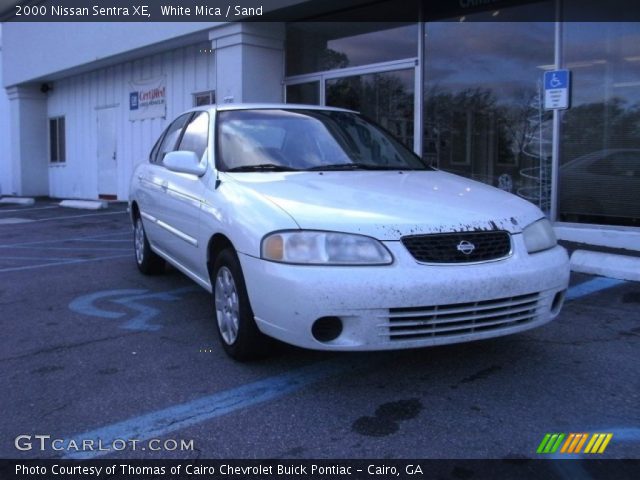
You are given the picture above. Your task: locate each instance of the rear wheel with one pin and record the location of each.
(148, 261)
(237, 329)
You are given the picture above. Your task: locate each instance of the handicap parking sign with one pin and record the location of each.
(556, 89)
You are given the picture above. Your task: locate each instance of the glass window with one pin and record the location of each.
(306, 93)
(204, 98)
(483, 112)
(387, 98)
(57, 141)
(319, 46)
(279, 140)
(599, 175)
(196, 135)
(170, 138)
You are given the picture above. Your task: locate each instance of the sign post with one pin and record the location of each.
(556, 89)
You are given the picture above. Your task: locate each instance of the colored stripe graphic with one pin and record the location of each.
(570, 439)
(574, 443)
(598, 442)
(543, 443)
(551, 442)
(582, 440)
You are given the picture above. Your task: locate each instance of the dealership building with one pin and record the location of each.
(506, 93)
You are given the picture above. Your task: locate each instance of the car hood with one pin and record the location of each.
(389, 204)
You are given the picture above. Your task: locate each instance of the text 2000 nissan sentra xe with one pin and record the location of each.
(315, 227)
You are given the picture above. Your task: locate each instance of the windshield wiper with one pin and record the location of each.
(357, 166)
(263, 167)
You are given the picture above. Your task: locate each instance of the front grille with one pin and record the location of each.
(459, 247)
(461, 318)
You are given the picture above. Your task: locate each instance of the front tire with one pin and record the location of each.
(238, 332)
(147, 260)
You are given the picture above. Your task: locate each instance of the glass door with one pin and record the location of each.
(387, 98)
(385, 93)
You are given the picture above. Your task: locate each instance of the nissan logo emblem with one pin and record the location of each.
(466, 247)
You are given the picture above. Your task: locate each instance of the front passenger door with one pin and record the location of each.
(184, 195)
(155, 181)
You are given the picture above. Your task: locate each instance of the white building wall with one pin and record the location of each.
(188, 70)
(6, 174)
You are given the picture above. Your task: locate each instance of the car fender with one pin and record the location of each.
(241, 214)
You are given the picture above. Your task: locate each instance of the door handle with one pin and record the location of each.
(164, 185)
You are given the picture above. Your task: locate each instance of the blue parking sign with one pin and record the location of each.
(556, 89)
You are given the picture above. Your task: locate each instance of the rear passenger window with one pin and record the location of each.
(196, 135)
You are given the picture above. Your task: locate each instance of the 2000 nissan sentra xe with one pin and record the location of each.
(318, 228)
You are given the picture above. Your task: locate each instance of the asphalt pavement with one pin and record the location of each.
(90, 348)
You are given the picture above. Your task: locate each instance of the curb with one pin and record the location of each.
(622, 267)
(84, 204)
(18, 200)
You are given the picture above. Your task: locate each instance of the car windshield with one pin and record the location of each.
(276, 140)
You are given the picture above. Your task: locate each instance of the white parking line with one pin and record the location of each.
(48, 259)
(69, 262)
(27, 209)
(72, 249)
(66, 217)
(63, 240)
(14, 220)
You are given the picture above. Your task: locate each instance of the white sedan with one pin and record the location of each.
(316, 227)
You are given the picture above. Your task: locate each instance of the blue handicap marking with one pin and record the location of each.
(556, 79)
(133, 299)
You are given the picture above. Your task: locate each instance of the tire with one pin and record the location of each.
(149, 262)
(237, 330)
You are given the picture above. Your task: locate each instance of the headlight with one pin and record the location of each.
(539, 236)
(324, 248)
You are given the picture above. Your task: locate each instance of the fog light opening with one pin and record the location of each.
(558, 300)
(326, 329)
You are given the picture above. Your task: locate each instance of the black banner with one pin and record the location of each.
(315, 10)
(320, 469)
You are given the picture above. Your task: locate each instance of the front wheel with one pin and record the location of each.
(237, 329)
(147, 260)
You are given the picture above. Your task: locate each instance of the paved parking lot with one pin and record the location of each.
(92, 349)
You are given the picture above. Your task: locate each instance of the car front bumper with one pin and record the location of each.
(407, 304)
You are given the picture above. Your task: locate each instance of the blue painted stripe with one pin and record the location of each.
(53, 264)
(592, 286)
(85, 303)
(162, 422)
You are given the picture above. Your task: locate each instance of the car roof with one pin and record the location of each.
(265, 106)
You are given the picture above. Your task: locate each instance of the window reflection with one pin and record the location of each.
(307, 93)
(387, 98)
(483, 116)
(320, 46)
(600, 136)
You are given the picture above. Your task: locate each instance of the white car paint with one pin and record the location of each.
(182, 213)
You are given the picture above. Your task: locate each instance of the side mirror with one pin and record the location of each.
(182, 161)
